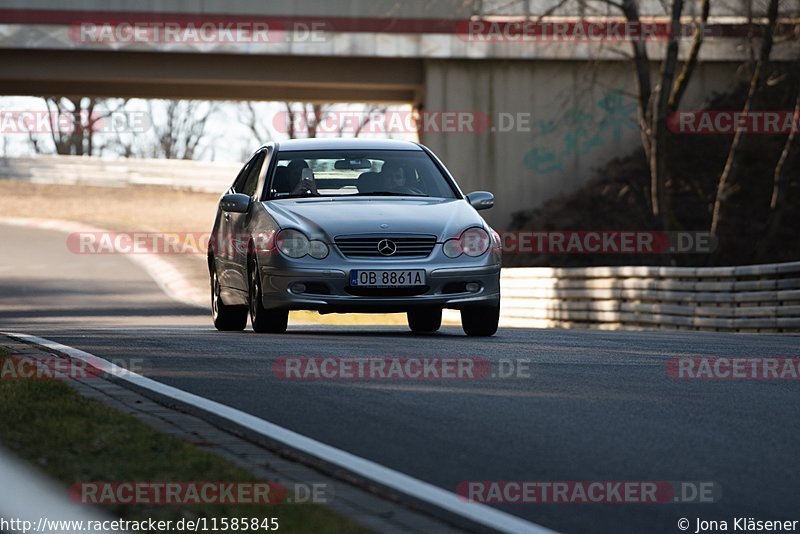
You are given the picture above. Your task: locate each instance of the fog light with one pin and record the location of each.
(473, 287)
(298, 288)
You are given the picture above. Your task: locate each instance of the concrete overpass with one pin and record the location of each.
(571, 103)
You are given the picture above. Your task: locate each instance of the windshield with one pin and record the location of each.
(358, 173)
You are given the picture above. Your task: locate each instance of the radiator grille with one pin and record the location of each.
(379, 246)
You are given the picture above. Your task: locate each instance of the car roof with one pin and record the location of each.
(346, 144)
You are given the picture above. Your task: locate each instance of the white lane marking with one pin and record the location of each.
(164, 274)
(423, 491)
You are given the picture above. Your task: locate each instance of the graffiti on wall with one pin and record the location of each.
(578, 132)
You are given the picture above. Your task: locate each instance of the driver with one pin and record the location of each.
(396, 180)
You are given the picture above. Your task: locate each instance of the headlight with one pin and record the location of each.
(452, 248)
(317, 249)
(295, 244)
(473, 242)
(292, 243)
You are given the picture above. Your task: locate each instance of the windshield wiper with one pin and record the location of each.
(389, 194)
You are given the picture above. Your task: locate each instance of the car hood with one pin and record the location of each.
(331, 217)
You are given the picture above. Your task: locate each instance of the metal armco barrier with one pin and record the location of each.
(753, 298)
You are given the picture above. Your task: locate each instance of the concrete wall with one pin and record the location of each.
(581, 115)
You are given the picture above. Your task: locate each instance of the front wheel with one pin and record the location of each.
(264, 321)
(226, 318)
(425, 320)
(481, 321)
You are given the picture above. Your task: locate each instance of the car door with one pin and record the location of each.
(223, 243)
(240, 222)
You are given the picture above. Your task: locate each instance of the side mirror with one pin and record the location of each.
(481, 200)
(235, 202)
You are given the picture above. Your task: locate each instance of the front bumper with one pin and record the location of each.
(328, 289)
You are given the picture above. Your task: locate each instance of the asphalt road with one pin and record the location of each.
(597, 405)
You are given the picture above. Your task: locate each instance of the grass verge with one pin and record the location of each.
(76, 439)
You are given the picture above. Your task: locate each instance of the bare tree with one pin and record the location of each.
(180, 134)
(656, 105)
(659, 97)
(780, 179)
(724, 187)
(74, 124)
(304, 118)
(656, 99)
(250, 118)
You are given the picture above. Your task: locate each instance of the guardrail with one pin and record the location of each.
(30, 502)
(755, 298)
(200, 176)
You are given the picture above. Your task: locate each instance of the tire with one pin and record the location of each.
(226, 318)
(264, 321)
(480, 322)
(425, 320)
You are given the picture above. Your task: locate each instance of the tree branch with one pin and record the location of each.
(723, 186)
(659, 196)
(682, 82)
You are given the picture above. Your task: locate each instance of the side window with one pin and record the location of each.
(247, 181)
(238, 183)
(251, 183)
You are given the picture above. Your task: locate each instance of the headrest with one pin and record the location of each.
(369, 182)
(296, 164)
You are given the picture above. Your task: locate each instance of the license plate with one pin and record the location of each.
(392, 278)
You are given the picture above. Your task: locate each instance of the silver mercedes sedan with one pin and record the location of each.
(352, 225)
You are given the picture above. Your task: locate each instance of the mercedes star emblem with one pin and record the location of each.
(386, 247)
